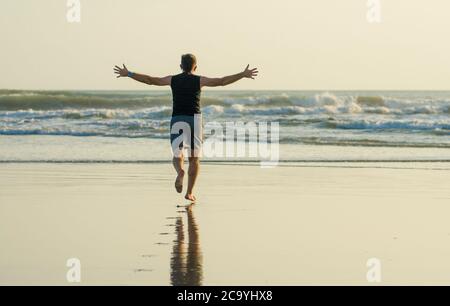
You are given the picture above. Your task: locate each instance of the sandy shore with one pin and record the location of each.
(290, 225)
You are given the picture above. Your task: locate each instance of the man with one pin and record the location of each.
(186, 122)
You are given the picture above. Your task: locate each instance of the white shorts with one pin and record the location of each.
(186, 133)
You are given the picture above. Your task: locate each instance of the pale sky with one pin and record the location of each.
(296, 44)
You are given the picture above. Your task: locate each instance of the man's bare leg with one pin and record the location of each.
(194, 165)
(178, 164)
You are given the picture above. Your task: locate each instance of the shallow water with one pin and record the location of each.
(69, 149)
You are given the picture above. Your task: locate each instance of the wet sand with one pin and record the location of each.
(292, 225)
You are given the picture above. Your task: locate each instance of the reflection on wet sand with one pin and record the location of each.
(186, 263)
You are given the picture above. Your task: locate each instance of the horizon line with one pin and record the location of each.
(222, 89)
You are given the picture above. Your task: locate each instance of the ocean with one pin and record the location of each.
(314, 125)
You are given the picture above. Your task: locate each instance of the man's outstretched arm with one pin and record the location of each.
(123, 72)
(214, 82)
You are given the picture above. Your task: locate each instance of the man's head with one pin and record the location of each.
(188, 62)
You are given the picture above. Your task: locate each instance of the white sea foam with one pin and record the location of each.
(384, 118)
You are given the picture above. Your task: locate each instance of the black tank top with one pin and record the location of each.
(186, 94)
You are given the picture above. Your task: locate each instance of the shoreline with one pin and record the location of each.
(439, 165)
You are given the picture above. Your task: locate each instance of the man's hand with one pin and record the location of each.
(122, 72)
(213, 82)
(143, 78)
(250, 73)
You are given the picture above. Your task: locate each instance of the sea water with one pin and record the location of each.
(134, 125)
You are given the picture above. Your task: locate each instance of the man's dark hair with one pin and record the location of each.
(188, 61)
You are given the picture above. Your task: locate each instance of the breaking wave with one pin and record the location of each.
(340, 118)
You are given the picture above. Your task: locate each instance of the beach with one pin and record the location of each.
(298, 223)
(322, 129)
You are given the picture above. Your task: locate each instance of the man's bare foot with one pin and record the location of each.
(190, 197)
(179, 182)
